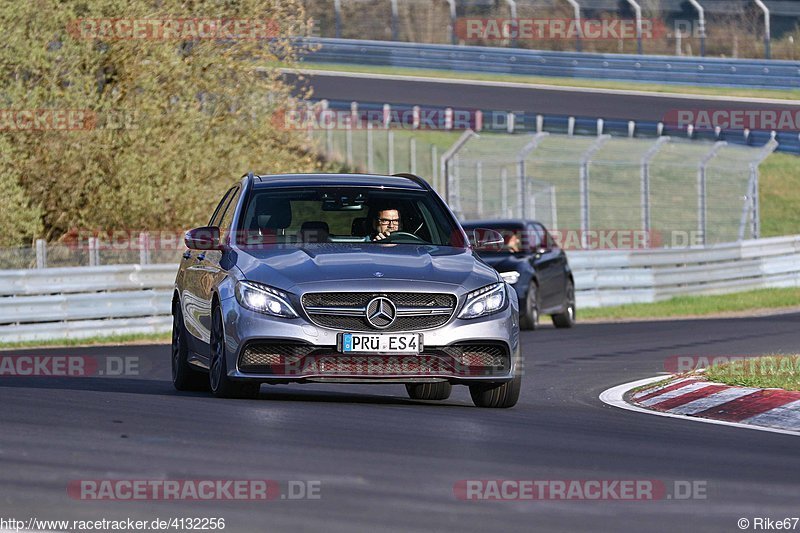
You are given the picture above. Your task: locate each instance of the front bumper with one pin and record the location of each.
(273, 350)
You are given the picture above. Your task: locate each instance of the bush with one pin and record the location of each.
(171, 123)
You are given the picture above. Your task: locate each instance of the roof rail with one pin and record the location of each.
(415, 179)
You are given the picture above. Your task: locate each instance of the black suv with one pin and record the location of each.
(531, 261)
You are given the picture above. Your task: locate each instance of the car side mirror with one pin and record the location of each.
(203, 238)
(488, 239)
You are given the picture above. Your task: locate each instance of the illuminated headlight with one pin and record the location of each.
(485, 301)
(510, 277)
(263, 299)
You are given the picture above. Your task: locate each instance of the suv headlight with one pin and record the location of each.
(485, 301)
(510, 277)
(258, 297)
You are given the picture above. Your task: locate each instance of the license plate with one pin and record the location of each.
(381, 343)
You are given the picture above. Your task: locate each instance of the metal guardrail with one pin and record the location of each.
(607, 277)
(94, 301)
(722, 72)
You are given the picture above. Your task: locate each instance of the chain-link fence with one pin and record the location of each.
(669, 191)
(729, 28)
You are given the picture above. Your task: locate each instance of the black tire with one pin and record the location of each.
(429, 391)
(499, 395)
(567, 318)
(529, 318)
(221, 385)
(184, 377)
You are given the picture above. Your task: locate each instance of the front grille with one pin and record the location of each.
(416, 311)
(301, 359)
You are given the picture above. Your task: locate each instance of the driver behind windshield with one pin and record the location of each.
(384, 223)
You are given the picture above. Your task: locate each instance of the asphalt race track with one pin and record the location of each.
(385, 462)
(557, 101)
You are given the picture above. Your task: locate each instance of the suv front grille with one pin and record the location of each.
(347, 311)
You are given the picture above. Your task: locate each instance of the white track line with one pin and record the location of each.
(615, 397)
(540, 86)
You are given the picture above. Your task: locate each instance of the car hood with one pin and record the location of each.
(503, 262)
(311, 266)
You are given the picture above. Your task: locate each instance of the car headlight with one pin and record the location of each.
(510, 277)
(258, 297)
(485, 301)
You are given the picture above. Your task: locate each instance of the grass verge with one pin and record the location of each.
(112, 340)
(693, 306)
(788, 94)
(772, 371)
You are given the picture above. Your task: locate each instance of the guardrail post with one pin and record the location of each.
(645, 186)
(702, 193)
(584, 185)
(522, 155)
(41, 253)
(446, 170)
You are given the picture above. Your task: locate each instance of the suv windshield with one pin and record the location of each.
(346, 215)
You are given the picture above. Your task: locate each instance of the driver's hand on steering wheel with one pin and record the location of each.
(382, 235)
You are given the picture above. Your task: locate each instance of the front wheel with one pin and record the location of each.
(500, 395)
(530, 320)
(429, 391)
(184, 377)
(221, 385)
(567, 318)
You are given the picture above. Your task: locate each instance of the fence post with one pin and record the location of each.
(390, 144)
(370, 148)
(395, 32)
(452, 27)
(445, 169)
(412, 154)
(94, 253)
(435, 167)
(41, 253)
(479, 184)
(337, 17)
(504, 192)
(702, 192)
(522, 171)
(645, 186)
(144, 248)
(584, 185)
(755, 230)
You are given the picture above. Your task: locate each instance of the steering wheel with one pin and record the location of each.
(402, 236)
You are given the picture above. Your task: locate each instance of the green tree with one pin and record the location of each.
(170, 122)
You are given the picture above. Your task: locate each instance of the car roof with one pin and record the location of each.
(502, 222)
(337, 180)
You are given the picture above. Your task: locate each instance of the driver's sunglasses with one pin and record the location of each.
(388, 221)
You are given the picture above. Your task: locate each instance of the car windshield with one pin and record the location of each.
(298, 216)
(516, 239)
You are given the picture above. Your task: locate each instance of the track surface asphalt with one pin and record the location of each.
(557, 101)
(389, 463)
